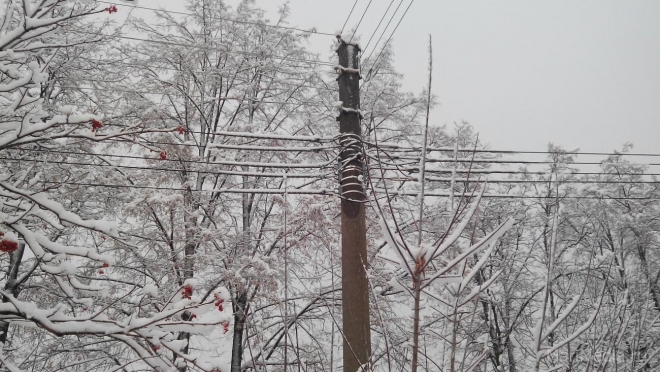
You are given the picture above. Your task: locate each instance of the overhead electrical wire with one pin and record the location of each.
(327, 164)
(349, 16)
(211, 71)
(478, 151)
(384, 30)
(512, 161)
(262, 136)
(360, 22)
(253, 101)
(163, 42)
(334, 193)
(431, 149)
(388, 39)
(216, 162)
(379, 23)
(320, 176)
(312, 31)
(220, 190)
(150, 168)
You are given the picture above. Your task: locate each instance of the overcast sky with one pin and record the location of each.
(576, 73)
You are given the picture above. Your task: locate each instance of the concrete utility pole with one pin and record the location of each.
(355, 287)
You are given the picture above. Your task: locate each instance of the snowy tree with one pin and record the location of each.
(62, 308)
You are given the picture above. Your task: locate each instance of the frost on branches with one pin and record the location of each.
(151, 215)
(61, 294)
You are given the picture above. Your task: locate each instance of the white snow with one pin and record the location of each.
(150, 290)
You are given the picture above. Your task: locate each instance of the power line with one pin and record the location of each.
(212, 49)
(410, 166)
(515, 196)
(148, 168)
(360, 22)
(215, 162)
(270, 82)
(334, 193)
(349, 16)
(392, 34)
(532, 173)
(304, 138)
(414, 160)
(317, 175)
(211, 71)
(301, 138)
(252, 101)
(312, 31)
(320, 165)
(511, 181)
(513, 152)
(396, 147)
(385, 29)
(221, 190)
(276, 136)
(381, 21)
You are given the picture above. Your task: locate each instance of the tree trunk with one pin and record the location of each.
(417, 291)
(240, 302)
(190, 224)
(239, 327)
(11, 285)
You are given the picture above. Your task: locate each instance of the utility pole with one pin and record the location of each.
(354, 284)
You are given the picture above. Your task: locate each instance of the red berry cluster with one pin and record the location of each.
(181, 129)
(225, 327)
(155, 348)
(192, 316)
(111, 9)
(219, 302)
(162, 155)
(105, 264)
(96, 125)
(187, 291)
(7, 245)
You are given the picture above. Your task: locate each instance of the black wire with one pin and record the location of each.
(488, 171)
(222, 19)
(211, 49)
(392, 34)
(507, 161)
(579, 182)
(512, 152)
(147, 142)
(221, 190)
(448, 160)
(212, 71)
(317, 104)
(381, 21)
(361, 18)
(297, 165)
(328, 192)
(273, 165)
(146, 168)
(409, 149)
(384, 30)
(323, 176)
(254, 138)
(349, 16)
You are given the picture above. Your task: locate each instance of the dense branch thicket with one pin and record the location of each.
(171, 204)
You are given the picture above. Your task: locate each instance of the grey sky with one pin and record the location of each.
(577, 73)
